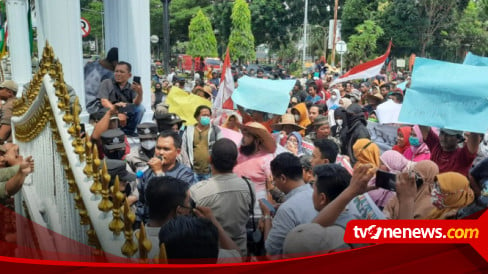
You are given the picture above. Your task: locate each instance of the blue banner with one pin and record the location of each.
(272, 96)
(447, 95)
(475, 60)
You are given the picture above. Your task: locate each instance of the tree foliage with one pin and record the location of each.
(92, 11)
(241, 40)
(202, 38)
(362, 45)
(355, 12)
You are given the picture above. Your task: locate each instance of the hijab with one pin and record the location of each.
(406, 134)
(423, 148)
(456, 193)
(366, 152)
(334, 103)
(422, 202)
(395, 161)
(299, 139)
(346, 102)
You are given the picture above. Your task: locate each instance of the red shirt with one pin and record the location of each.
(459, 160)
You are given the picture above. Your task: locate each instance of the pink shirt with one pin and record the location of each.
(255, 167)
(420, 157)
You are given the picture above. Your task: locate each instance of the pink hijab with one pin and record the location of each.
(395, 161)
(423, 148)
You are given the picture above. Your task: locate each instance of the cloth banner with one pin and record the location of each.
(271, 96)
(475, 60)
(447, 95)
(184, 104)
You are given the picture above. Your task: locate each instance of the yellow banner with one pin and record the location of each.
(184, 104)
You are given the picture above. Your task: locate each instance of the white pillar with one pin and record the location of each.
(19, 49)
(134, 44)
(61, 27)
(111, 9)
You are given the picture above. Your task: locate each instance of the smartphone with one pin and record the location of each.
(271, 208)
(137, 79)
(386, 180)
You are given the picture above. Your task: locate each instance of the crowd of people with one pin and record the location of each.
(284, 189)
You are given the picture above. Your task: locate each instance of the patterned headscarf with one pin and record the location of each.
(456, 193)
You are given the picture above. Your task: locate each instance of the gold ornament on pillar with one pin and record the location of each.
(130, 247)
(96, 187)
(105, 204)
(116, 225)
(145, 244)
(88, 170)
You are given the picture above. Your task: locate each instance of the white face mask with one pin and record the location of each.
(297, 117)
(339, 122)
(333, 97)
(148, 144)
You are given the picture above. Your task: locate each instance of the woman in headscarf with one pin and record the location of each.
(333, 102)
(418, 149)
(340, 118)
(233, 122)
(426, 170)
(393, 162)
(403, 134)
(355, 129)
(300, 113)
(294, 143)
(478, 179)
(450, 192)
(345, 102)
(366, 152)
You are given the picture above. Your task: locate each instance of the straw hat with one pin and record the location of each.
(259, 131)
(287, 119)
(377, 97)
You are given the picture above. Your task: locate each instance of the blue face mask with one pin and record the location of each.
(414, 141)
(205, 120)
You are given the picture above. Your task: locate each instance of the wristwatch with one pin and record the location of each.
(267, 217)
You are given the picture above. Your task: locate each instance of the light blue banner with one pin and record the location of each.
(272, 96)
(402, 85)
(475, 60)
(447, 95)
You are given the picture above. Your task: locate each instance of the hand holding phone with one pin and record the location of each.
(137, 79)
(385, 180)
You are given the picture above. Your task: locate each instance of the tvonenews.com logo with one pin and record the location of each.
(375, 232)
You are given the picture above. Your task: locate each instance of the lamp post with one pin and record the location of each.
(166, 49)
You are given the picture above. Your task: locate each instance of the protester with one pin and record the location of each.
(96, 72)
(258, 116)
(450, 192)
(478, 181)
(125, 96)
(301, 116)
(229, 196)
(159, 95)
(8, 91)
(403, 143)
(426, 170)
(445, 151)
(325, 152)
(418, 149)
(298, 206)
(127, 180)
(286, 126)
(233, 122)
(168, 121)
(13, 171)
(255, 154)
(366, 152)
(164, 163)
(353, 129)
(197, 142)
(294, 143)
(114, 144)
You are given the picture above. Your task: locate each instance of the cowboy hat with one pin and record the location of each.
(287, 119)
(259, 131)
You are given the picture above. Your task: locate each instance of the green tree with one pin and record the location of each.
(180, 13)
(202, 38)
(241, 40)
(93, 12)
(354, 13)
(362, 46)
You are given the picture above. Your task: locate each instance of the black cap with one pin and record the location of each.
(168, 119)
(117, 167)
(113, 139)
(147, 131)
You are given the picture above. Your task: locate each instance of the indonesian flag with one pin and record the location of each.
(366, 70)
(223, 99)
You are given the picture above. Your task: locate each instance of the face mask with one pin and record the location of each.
(205, 120)
(339, 122)
(297, 117)
(148, 144)
(333, 97)
(437, 197)
(414, 141)
(116, 155)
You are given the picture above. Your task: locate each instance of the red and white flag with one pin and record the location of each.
(223, 99)
(366, 70)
